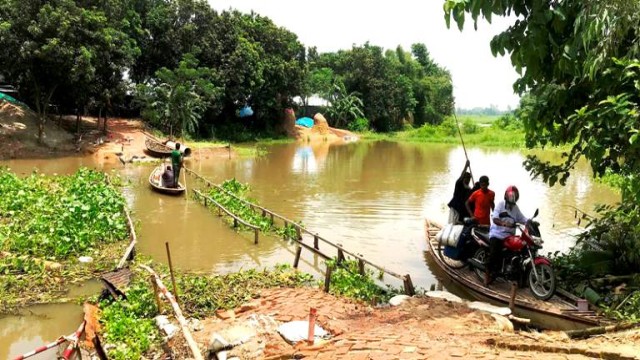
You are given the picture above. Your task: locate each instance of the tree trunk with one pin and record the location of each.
(99, 116)
(78, 123)
(104, 124)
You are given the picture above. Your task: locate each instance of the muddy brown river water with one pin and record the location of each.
(371, 197)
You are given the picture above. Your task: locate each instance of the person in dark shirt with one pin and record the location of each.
(457, 209)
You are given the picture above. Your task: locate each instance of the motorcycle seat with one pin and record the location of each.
(482, 233)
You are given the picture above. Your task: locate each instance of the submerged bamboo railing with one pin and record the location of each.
(236, 219)
(300, 230)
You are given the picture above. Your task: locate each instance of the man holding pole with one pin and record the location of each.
(176, 164)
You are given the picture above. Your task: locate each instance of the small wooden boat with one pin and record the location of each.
(558, 313)
(155, 180)
(156, 148)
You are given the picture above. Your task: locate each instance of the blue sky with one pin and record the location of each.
(479, 79)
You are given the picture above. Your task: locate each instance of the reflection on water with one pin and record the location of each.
(37, 326)
(371, 197)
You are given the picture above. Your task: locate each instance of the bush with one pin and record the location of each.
(359, 125)
(448, 127)
(508, 122)
(469, 126)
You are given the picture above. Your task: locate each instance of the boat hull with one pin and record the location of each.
(555, 314)
(155, 181)
(157, 149)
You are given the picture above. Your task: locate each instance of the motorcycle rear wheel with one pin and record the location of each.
(482, 256)
(544, 286)
(451, 263)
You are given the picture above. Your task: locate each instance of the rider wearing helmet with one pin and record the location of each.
(505, 216)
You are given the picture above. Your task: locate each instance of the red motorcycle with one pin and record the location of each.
(519, 259)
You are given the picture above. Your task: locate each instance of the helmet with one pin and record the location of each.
(511, 195)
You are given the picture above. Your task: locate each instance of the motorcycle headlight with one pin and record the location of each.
(537, 240)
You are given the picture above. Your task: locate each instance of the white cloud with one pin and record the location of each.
(479, 79)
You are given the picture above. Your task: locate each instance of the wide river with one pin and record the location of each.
(370, 197)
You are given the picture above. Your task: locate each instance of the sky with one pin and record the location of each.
(479, 79)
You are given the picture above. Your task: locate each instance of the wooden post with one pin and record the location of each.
(327, 278)
(340, 256)
(315, 242)
(264, 213)
(408, 286)
(235, 222)
(255, 236)
(205, 202)
(361, 267)
(155, 294)
(297, 260)
(173, 279)
(284, 234)
(512, 299)
(271, 217)
(298, 233)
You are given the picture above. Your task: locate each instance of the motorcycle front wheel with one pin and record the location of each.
(544, 285)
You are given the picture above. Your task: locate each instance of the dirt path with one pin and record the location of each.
(420, 328)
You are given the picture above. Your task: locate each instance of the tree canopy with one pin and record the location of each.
(578, 61)
(91, 56)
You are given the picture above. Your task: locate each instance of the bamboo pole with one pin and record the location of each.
(463, 147)
(156, 294)
(176, 309)
(173, 279)
(186, 195)
(583, 333)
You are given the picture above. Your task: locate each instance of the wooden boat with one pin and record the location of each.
(155, 180)
(558, 313)
(156, 148)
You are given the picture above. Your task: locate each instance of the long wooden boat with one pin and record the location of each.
(557, 313)
(155, 180)
(156, 148)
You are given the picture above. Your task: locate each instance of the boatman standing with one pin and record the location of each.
(176, 162)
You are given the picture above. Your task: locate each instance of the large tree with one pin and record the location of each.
(578, 59)
(60, 45)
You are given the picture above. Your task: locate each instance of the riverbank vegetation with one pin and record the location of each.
(56, 231)
(232, 87)
(581, 91)
(505, 131)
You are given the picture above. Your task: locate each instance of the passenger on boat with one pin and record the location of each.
(480, 202)
(167, 177)
(505, 216)
(457, 210)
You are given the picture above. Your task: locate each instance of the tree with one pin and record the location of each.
(344, 107)
(179, 97)
(59, 45)
(579, 62)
